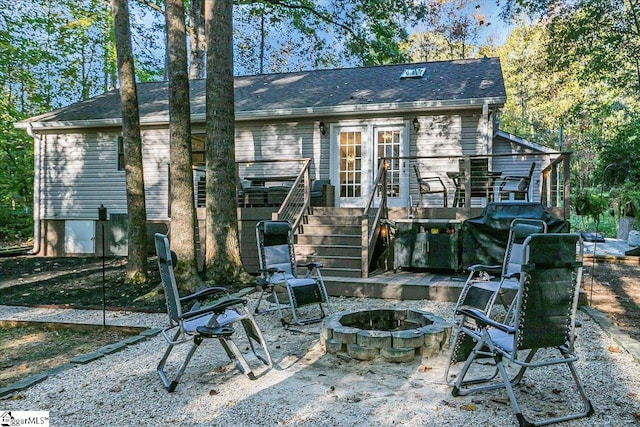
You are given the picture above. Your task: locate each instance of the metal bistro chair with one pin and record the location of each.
(201, 320)
(480, 180)
(430, 185)
(516, 186)
(278, 268)
(542, 334)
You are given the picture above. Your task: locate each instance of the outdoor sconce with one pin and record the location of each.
(416, 124)
(323, 129)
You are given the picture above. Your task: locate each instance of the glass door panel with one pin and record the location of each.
(390, 144)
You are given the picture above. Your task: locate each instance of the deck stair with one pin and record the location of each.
(332, 237)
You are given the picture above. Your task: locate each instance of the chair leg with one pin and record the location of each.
(171, 385)
(236, 357)
(254, 334)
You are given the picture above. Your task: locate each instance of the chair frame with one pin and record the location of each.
(308, 290)
(511, 184)
(202, 321)
(481, 277)
(550, 267)
(425, 186)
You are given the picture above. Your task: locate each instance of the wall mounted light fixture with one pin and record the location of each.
(416, 124)
(323, 129)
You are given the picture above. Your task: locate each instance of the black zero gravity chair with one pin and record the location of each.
(542, 332)
(278, 268)
(202, 320)
(487, 284)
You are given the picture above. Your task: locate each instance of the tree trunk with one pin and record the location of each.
(197, 40)
(137, 228)
(183, 211)
(223, 263)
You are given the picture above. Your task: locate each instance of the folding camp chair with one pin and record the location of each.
(544, 319)
(482, 288)
(278, 267)
(202, 321)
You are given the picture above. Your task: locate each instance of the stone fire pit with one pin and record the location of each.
(394, 335)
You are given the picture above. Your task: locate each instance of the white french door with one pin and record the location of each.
(390, 143)
(354, 162)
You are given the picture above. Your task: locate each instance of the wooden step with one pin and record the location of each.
(334, 250)
(339, 220)
(328, 240)
(330, 230)
(322, 211)
(332, 237)
(333, 262)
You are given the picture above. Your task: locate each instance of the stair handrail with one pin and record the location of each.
(371, 217)
(298, 198)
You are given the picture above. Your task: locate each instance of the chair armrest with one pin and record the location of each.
(513, 180)
(515, 276)
(263, 283)
(203, 294)
(482, 320)
(217, 308)
(310, 265)
(496, 269)
(271, 270)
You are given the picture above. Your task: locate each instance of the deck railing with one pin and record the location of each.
(297, 200)
(372, 216)
(475, 180)
(291, 193)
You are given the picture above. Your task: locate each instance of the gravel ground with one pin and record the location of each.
(307, 387)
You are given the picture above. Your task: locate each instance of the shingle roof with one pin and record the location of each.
(347, 89)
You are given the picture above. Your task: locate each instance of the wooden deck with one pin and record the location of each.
(402, 285)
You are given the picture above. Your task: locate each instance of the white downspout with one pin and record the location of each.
(36, 190)
(485, 127)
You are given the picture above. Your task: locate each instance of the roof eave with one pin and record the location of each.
(279, 113)
(521, 141)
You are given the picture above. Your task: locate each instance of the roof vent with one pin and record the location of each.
(412, 73)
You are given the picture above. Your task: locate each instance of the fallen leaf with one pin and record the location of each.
(469, 407)
(556, 391)
(424, 368)
(446, 403)
(213, 392)
(614, 349)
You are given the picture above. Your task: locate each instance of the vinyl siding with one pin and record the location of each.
(448, 134)
(79, 173)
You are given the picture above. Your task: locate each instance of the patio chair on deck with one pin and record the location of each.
(430, 185)
(516, 186)
(480, 180)
(201, 320)
(278, 270)
(542, 334)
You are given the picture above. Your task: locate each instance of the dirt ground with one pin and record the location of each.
(29, 350)
(614, 289)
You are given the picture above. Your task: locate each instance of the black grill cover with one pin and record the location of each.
(484, 238)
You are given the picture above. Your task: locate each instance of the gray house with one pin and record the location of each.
(330, 127)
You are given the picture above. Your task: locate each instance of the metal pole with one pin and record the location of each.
(102, 217)
(104, 296)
